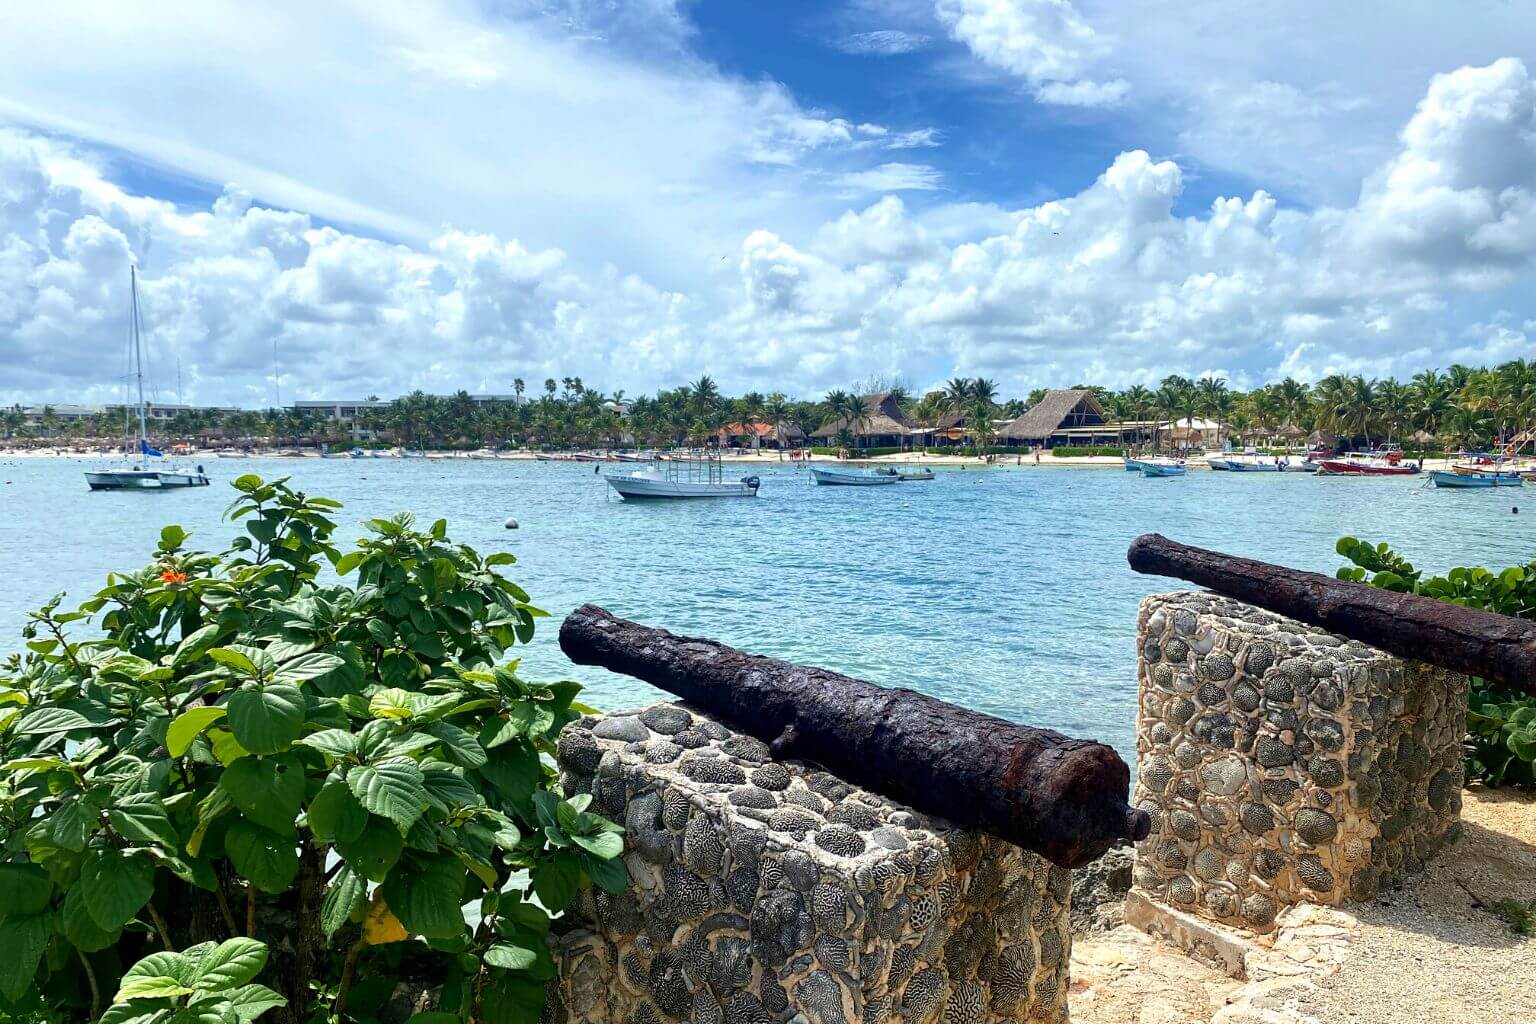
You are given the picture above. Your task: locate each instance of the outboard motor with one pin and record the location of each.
(752, 482)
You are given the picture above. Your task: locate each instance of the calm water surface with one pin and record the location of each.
(1004, 590)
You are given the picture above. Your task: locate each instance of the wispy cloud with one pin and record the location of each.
(894, 177)
(888, 42)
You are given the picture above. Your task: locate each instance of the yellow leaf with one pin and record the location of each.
(380, 926)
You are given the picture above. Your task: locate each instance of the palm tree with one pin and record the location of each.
(704, 395)
(980, 417)
(1429, 396)
(777, 411)
(957, 392)
(1139, 401)
(1214, 401)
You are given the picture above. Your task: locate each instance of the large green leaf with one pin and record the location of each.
(151, 987)
(24, 889)
(374, 851)
(343, 896)
(135, 1013)
(44, 720)
(195, 644)
(458, 745)
(268, 859)
(447, 787)
(230, 963)
(511, 999)
(116, 887)
(603, 845)
(268, 720)
(335, 814)
(555, 880)
(336, 743)
(514, 770)
(159, 975)
(509, 957)
(73, 823)
(251, 1001)
(267, 790)
(213, 1009)
(308, 666)
(23, 938)
(391, 788)
(142, 817)
(609, 875)
(80, 928)
(426, 895)
(188, 726)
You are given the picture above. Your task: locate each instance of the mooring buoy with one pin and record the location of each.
(510, 524)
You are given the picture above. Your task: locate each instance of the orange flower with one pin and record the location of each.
(172, 576)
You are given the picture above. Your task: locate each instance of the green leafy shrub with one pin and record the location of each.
(1081, 451)
(1501, 722)
(210, 982)
(247, 750)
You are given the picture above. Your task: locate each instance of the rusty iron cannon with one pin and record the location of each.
(1063, 798)
(1497, 647)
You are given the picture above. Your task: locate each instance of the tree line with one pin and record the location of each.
(1462, 406)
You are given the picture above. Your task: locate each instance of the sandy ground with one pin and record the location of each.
(1433, 952)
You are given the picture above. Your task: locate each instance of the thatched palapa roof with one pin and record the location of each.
(1058, 409)
(883, 416)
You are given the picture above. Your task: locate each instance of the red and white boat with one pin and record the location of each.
(1369, 464)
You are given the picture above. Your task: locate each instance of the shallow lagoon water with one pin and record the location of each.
(1002, 589)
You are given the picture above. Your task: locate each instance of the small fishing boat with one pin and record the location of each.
(1452, 478)
(1162, 467)
(1367, 465)
(1218, 463)
(691, 478)
(854, 477)
(908, 474)
(1250, 461)
(137, 476)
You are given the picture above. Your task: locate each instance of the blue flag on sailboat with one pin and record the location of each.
(147, 450)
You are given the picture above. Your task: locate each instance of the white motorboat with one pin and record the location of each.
(1220, 463)
(909, 474)
(854, 478)
(138, 476)
(692, 478)
(1160, 466)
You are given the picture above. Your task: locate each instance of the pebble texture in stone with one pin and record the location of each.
(766, 891)
(1283, 764)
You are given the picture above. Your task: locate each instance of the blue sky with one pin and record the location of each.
(788, 196)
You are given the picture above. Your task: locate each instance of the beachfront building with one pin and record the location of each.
(883, 425)
(953, 428)
(761, 435)
(1068, 417)
(1192, 433)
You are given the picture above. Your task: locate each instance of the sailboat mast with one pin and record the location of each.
(138, 355)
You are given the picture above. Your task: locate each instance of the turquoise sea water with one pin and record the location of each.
(1003, 589)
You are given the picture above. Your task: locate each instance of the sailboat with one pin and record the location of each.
(137, 476)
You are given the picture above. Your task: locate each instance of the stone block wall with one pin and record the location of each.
(770, 891)
(1283, 764)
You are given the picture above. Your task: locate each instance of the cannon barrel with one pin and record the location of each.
(1497, 647)
(1063, 798)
